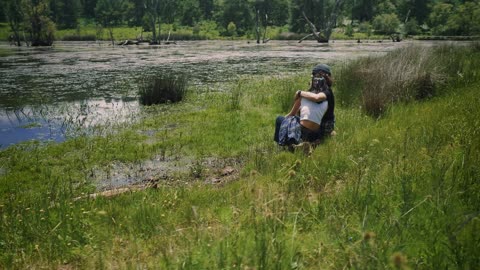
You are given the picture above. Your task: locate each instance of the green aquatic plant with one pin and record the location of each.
(158, 89)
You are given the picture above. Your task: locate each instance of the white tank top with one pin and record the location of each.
(312, 111)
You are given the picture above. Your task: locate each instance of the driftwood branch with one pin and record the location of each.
(265, 39)
(305, 37)
(323, 36)
(315, 33)
(318, 36)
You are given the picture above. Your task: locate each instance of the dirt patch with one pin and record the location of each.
(120, 178)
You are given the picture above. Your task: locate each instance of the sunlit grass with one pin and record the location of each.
(414, 73)
(400, 192)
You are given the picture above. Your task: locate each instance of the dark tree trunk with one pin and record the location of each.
(324, 35)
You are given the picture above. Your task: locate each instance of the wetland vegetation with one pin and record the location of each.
(396, 190)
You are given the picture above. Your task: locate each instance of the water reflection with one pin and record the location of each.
(56, 122)
(72, 87)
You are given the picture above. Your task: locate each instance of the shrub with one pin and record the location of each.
(412, 27)
(402, 75)
(156, 90)
(365, 27)
(232, 29)
(407, 74)
(386, 23)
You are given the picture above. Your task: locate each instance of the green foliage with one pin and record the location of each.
(452, 18)
(209, 29)
(366, 28)
(446, 19)
(232, 29)
(362, 10)
(66, 14)
(316, 11)
(239, 13)
(412, 27)
(15, 17)
(465, 19)
(37, 22)
(386, 23)
(349, 30)
(156, 90)
(110, 13)
(439, 17)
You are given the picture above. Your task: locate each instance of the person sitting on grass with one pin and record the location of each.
(316, 110)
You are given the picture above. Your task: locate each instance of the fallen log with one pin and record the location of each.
(128, 42)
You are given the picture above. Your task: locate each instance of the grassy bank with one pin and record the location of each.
(201, 32)
(398, 192)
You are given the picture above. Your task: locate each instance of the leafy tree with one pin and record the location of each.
(169, 10)
(137, 13)
(263, 9)
(156, 12)
(15, 18)
(363, 10)
(385, 7)
(110, 13)
(439, 17)
(206, 8)
(325, 23)
(465, 20)
(65, 13)
(238, 12)
(37, 22)
(274, 9)
(209, 28)
(232, 29)
(314, 10)
(190, 12)
(386, 23)
(418, 9)
(365, 27)
(88, 8)
(412, 27)
(152, 18)
(349, 30)
(321, 14)
(3, 12)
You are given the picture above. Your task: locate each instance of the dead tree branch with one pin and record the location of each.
(323, 36)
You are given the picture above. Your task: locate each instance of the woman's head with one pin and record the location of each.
(321, 68)
(319, 73)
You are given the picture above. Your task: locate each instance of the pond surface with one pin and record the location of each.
(57, 92)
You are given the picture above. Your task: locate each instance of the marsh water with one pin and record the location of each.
(50, 94)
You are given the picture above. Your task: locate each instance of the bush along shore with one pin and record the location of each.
(396, 188)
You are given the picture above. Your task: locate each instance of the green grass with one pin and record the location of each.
(414, 73)
(4, 31)
(399, 192)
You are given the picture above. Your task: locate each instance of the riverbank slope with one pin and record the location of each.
(398, 191)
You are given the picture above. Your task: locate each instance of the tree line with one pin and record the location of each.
(37, 20)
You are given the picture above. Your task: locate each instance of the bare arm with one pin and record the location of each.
(315, 97)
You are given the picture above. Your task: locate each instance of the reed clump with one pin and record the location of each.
(404, 75)
(162, 89)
